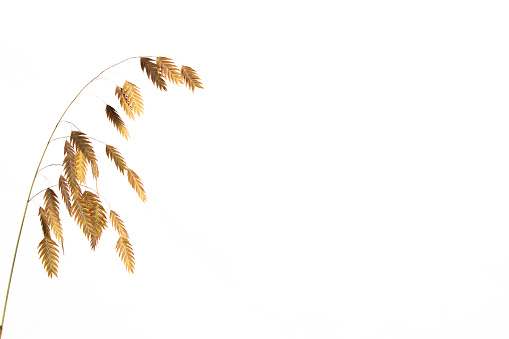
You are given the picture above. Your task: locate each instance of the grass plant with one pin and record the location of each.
(83, 203)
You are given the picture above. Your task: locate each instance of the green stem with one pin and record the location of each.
(33, 181)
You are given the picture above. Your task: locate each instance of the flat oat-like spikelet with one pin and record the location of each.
(81, 215)
(148, 65)
(169, 70)
(136, 183)
(53, 214)
(124, 102)
(95, 170)
(68, 149)
(125, 251)
(44, 223)
(70, 170)
(117, 121)
(81, 166)
(48, 253)
(190, 78)
(64, 191)
(114, 155)
(96, 215)
(80, 141)
(133, 95)
(118, 225)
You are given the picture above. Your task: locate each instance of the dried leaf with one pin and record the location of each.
(190, 78)
(136, 183)
(148, 65)
(117, 121)
(125, 252)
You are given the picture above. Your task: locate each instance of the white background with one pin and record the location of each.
(344, 173)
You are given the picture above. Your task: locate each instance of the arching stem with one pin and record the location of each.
(33, 181)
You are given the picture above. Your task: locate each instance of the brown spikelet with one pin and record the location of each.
(148, 65)
(136, 183)
(69, 152)
(95, 170)
(44, 223)
(117, 121)
(125, 252)
(190, 78)
(70, 169)
(80, 141)
(81, 215)
(169, 70)
(64, 191)
(47, 247)
(96, 216)
(132, 93)
(68, 149)
(48, 253)
(81, 166)
(119, 92)
(53, 214)
(115, 156)
(118, 225)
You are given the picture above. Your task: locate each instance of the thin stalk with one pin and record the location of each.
(33, 181)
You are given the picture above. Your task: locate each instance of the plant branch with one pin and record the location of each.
(43, 190)
(49, 165)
